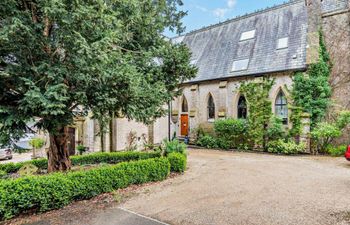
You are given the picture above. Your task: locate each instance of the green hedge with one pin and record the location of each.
(42, 193)
(177, 161)
(94, 158)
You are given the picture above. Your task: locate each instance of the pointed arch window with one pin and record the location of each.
(281, 107)
(184, 106)
(242, 108)
(211, 108)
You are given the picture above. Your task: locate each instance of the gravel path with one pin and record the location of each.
(247, 188)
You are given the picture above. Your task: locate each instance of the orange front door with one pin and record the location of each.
(184, 125)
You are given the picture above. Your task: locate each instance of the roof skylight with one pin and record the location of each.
(247, 35)
(239, 65)
(282, 43)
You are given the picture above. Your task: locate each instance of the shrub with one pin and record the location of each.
(275, 129)
(37, 143)
(282, 147)
(95, 158)
(324, 134)
(81, 149)
(207, 142)
(42, 193)
(177, 161)
(231, 132)
(337, 151)
(2, 174)
(174, 146)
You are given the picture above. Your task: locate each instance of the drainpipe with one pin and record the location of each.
(169, 120)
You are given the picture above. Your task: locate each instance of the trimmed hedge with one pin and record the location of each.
(42, 193)
(94, 158)
(177, 161)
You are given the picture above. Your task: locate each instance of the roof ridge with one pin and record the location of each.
(259, 11)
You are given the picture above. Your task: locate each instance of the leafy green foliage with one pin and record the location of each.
(231, 131)
(312, 91)
(42, 193)
(337, 151)
(178, 162)
(61, 59)
(37, 143)
(81, 149)
(207, 141)
(2, 174)
(259, 107)
(323, 134)
(174, 146)
(343, 120)
(283, 147)
(275, 130)
(94, 158)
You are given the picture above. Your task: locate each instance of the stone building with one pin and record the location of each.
(274, 42)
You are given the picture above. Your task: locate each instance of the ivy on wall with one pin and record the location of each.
(311, 90)
(259, 108)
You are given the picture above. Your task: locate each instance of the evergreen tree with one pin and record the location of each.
(62, 58)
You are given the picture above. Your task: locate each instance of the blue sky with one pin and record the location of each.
(205, 12)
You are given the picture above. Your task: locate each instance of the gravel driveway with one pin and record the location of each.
(248, 188)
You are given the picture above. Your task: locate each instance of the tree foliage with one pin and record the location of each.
(60, 59)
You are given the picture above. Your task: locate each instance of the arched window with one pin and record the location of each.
(184, 107)
(281, 107)
(242, 108)
(211, 108)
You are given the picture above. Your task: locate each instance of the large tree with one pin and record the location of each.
(62, 58)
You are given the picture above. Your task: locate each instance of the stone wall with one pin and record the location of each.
(123, 129)
(336, 29)
(225, 94)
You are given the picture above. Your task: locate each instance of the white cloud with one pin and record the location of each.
(201, 8)
(231, 3)
(220, 12)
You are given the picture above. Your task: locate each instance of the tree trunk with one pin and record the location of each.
(111, 134)
(58, 155)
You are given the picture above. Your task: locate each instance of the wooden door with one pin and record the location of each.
(184, 125)
(71, 141)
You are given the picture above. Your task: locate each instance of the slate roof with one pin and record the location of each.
(216, 47)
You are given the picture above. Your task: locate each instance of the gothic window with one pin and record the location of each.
(184, 107)
(281, 107)
(242, 108)
(211, 108)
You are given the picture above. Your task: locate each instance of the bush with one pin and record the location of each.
(232, 133)
(337, 151)
(275, 129)
(175, 146)
(42, 193)
(282, 147)
(95, 158)
(207, 142)
(324, 134)
(3, 174)
(177, 161)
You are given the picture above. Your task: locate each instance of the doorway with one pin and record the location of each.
(184, 125)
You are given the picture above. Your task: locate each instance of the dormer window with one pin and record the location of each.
(282, 43)
(239, 65)
(247, 35)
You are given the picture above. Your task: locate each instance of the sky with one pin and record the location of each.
(206, 12)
